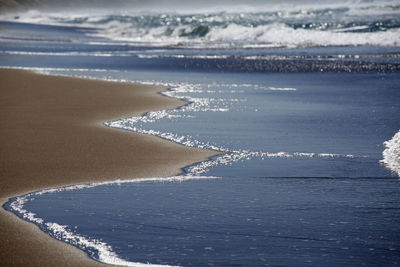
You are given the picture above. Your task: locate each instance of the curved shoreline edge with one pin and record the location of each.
(99, 250)
(52, 134)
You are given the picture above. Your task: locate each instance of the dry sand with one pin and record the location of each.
(52, 134)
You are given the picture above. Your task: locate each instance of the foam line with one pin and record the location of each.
(99, 250)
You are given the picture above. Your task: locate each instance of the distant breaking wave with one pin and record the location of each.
(373, 24)
(270, 35)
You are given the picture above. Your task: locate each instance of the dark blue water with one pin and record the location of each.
(240, 221)
(50, 46)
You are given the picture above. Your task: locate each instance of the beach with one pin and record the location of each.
(200, 134)
(52, 134)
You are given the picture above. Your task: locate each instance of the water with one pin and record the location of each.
(251, 221)
(304, 101)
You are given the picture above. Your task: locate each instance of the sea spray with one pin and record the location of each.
(391, 155)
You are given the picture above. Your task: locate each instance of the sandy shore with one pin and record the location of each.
(52, 134)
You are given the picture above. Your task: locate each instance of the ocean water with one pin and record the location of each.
(304, 101)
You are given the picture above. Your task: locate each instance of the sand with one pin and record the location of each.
(52, 134)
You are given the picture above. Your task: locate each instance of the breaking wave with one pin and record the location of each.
(376, 23)
(271, 35)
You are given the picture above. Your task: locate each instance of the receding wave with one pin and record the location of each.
(204, 104)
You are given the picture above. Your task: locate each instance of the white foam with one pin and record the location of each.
(391, 155)
(244, 155)
(92, 54)
(271, 35)
(281, 89)
(282, 35)
(50, 71)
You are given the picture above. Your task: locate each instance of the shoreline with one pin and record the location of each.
(52, 134)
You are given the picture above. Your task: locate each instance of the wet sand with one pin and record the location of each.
(52, 134)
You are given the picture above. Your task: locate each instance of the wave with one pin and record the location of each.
(236, 35)
(391, 155)
(250, 29)
(373, 24)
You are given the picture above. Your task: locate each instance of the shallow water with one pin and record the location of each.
(325, 201)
